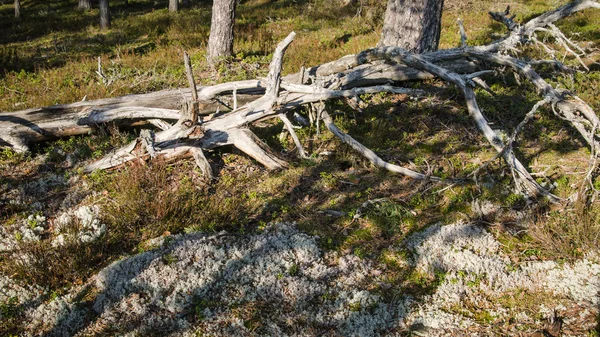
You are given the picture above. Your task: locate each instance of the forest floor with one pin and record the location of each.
(328, 246)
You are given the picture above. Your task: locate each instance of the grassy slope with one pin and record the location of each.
(50, 57)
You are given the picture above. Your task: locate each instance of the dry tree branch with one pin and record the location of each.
(369, 154)
(290, 128)
(463, 34)
(512, 139)
(370, 71)
(504, 18)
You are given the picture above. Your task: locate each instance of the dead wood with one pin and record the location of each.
(231, 107)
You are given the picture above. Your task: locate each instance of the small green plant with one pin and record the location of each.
(53, 295)
(484, 317)
(167, 241)
(327, 297)
(293, 270)
(262, 225)
(476, 281)
(10, 307)
(192, 229)
(596, 183)
(328, 179)
(200, 304)
(439, 278)
(98, 177)
(360, 252)
(516, 201)
(11, 156)
(169, 259)
(355, 306)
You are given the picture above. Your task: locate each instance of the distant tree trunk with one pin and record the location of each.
(104, 14)
(185, 3)
(414, 25)
(220, 41)
(173, 5)
(85, 5)
(17, 9)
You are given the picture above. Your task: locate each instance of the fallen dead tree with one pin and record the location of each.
(196, 119)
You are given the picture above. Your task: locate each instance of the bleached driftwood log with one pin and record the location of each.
(226, 110)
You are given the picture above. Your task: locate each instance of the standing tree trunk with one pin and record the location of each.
(85, 5)
(104, 14)
(220, 41)
(173, 5)
(185, 3)
(17, 9)
(414, 25)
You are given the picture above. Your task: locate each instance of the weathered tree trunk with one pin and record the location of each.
(414, 25)
(17, 9)
(22, 128)
(85, 5)
(173, 5)
(104, 14)
(220, 41)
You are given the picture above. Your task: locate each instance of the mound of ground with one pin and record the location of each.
(279, 282)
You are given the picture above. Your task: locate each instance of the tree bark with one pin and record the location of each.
(85, 5)
(104, 14)
(220, 41)
(22, 128)
(173, 5)
(17, 9)
(414, 25)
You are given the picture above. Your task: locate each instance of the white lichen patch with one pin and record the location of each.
(89, 226)
(279, 280)
(24, 230)
(279, 283)
(477, 271)
(33, 227)
(14, 296)
(7, 239)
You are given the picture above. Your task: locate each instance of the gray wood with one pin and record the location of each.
(85, 5)
(173, 5)
(220, 40)
(367, 72)
(17, 9)
(104, 14)
(414, 25)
